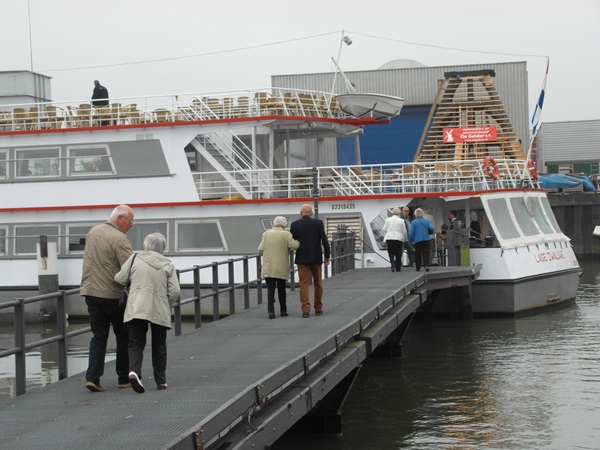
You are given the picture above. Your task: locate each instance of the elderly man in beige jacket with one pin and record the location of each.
(274, 248)
(106, 249)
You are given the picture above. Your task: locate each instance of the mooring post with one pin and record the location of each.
(47, 259)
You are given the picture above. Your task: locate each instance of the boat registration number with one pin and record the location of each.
(343, 206)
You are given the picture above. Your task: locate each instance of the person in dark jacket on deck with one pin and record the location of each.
(99, 95)
(309, 257)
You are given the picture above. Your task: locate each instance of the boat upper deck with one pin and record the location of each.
(163, 109)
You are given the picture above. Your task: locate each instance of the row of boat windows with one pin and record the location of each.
(532, 217)
(188, 236)
(47, 162)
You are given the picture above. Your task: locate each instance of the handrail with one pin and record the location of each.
(187, 107)
(392, 178)
(342, 257)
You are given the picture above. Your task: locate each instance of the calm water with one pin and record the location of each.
(527, 383)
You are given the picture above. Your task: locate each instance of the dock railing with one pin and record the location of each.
(342, 257)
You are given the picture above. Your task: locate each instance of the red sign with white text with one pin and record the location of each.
(477, 134)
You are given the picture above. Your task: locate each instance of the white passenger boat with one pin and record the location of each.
(211, 170)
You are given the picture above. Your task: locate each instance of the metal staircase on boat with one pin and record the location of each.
(234, 167)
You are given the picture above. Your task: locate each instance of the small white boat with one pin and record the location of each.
(596, 232)
(377, 106)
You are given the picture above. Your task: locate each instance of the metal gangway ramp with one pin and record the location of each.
(240, 382)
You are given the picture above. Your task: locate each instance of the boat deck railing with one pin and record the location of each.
(159, 109)
(355, 180)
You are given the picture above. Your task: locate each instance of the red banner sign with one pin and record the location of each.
(477, 134)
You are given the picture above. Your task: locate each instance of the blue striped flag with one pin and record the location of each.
(537, 113)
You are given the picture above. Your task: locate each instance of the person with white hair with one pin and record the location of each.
(420, 229)
(106, 249)
(395, 236)
(274, 248)
(154, 289)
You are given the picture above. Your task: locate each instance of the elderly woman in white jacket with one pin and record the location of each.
(154, 289)
(274, 247)
(395, 236)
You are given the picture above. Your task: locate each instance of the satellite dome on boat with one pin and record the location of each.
(401, 64)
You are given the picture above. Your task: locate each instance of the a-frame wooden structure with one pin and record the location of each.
(467, 102)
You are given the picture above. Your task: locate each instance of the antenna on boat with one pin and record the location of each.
(30, 41)
(344, 40)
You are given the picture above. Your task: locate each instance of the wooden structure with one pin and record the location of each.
(468, 121)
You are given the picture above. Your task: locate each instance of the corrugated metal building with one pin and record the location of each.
(569, 147)
(23, 86)
(398, 141)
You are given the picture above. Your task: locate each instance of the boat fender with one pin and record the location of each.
(492, 168)
(532, 169)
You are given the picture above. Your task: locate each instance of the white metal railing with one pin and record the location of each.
(458, 176)
(169, 108)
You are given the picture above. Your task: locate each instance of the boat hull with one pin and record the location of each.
(525, 296)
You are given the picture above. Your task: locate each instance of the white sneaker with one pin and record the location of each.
(136, 384)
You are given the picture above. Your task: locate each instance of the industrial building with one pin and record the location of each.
(399, 141)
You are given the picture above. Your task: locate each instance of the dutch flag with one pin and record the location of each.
(537, 113)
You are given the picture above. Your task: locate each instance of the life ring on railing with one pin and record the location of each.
(532, 169)
(492, 168)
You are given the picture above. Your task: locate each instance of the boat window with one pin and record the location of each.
(192, 157)
(537, 210)
(3, 247)
(524, 216)
(502, 218)
(26, 237)
(549, 214)
(90, 160)
(39, 162)
(76, 237)
(199, 235)
(138, 233)
(3, 168)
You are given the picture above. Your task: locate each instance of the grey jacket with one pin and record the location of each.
(154, 288)
(106, 249)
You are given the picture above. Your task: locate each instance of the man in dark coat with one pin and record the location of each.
(410, 248)
(100, 95)
(453, 218)
(309, 257)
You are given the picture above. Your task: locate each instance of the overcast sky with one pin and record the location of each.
(203, 46)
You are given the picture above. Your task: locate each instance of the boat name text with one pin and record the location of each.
(549, 256)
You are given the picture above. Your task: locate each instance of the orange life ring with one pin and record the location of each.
(532, 169)
(492, 168)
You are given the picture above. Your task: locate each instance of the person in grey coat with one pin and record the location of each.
(274, 248)
(154, 289)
